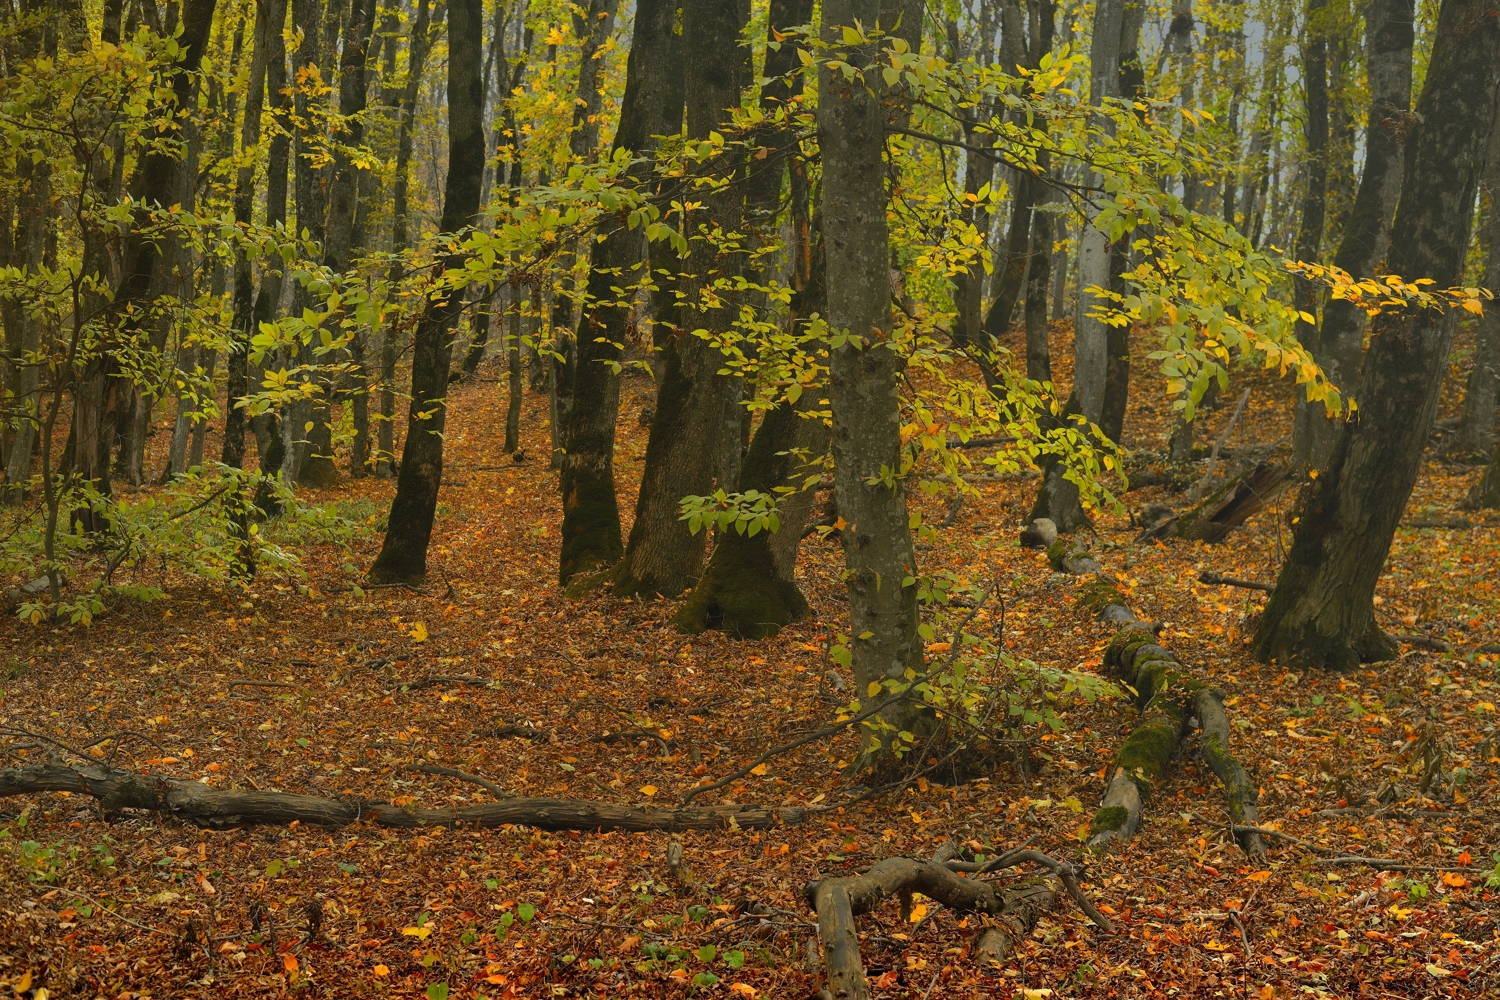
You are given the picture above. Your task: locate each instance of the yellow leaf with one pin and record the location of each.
(418, 632)
(758, 770)
(381, 970)
(1437, 971)
(1257, 876)
(648, 790)
(555, 37)
(422, 933)
(918, 912)
(1216, 946)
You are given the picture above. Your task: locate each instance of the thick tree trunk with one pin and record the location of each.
(1322, 612)
(1338, 345)
(864, 374)
(270, 18)
(1314, 178)
(1476, 430)
(663, 556)
(403, 556)
(652, 106)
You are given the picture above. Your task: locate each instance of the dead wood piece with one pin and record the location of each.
(1234, 503)
(1491, 648)
(953, 509)
(203, 805)
(838, 901)
(441, 680)
(1024, 904)
(1196, 491)
(473, 779)
(1157, 521)
(1389, 865)
(1071, 555)
(260, 684)
(1207, 576)
(1426, 642)
(521, 732)
(1241, 791)
(1450, 523)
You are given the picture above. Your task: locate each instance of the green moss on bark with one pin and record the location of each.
(1124, 645)
(740, 592)
(1145, 753)
(1098, 593)
(1110, 819)
(591, 526)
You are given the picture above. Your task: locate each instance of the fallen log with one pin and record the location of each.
(203, 805)
(1170, 702)
(1071, 555)
(1233, 503)
(1207, 576)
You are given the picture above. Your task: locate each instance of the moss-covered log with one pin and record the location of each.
(1170, 702)
(1071, 555)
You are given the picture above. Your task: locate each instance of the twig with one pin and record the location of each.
(928, 991)
(1195, 492)
(261, 684)
(1233, 915)
(473, 779)
(1264, 831)
(1210, 577)
(1387, 865)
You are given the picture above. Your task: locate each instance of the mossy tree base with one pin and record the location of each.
(741, 593)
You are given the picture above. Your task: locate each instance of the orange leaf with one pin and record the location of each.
(289, 962)
(381, 970)
(1454, 879)
(1257, 876)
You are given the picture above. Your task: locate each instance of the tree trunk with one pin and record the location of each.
(1338, 346)
(1058, 499)
(1476, 431)
(270, 18)
(403, 556)
(651, 106)
(1117, 338)
(278, 166)
(663, 556)
(1314, 180)
(1322, 611)
(864, 373)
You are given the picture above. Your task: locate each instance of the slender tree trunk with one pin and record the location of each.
(1340, 342)
(1117, 338)
(278, 167)
(1476, 431)
(513, 342)
(270, 18)
(403, 556)
(663, 556)
(864, 374)
(1058, 499)
(651, 106)
(1322, 613)
(1314, 190)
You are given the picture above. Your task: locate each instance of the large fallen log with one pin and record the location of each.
(1170, 703)
(202, 805)
(1233, 504)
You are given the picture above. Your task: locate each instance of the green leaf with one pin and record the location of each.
(707, 953)
(437, 991)
(526, 911)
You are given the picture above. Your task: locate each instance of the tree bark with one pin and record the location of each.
(1476, 429)
(663, 557)
(1117, 338)
(1339, 344)
(270, 18)
(863, 373)
(652, 105)
(1309, 246)
(1321, 612)
(403, 556)
(278, 167)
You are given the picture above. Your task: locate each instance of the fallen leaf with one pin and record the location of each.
(1257, 876)
(289, 963)
(381, 970)
(648, 790)
(421, 933)
(1437, 971)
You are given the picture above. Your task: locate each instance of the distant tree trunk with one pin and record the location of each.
(278, 166)
(403, 556)
(979, 170)
(1058, 499)
(1339, 344)
(1476, 431)
(663, 556)
(1322, 613)
(1117, 338)
(270, 18)
(652, 105)
(426, 27)
(1314, 178)
(863, 382)
(343, 199)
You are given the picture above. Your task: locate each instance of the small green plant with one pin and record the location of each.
(1416, 890)
(39, 862)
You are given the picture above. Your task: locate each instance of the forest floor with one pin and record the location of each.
(95, 904)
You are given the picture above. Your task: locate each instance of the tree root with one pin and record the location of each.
(1169, 702)
(202, 805)
(839, 900)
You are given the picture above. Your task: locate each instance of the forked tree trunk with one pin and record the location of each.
(1321, 613)
(864, 374)
(1339, 344)
(403, 556)
(663, 556)
(652, 105)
